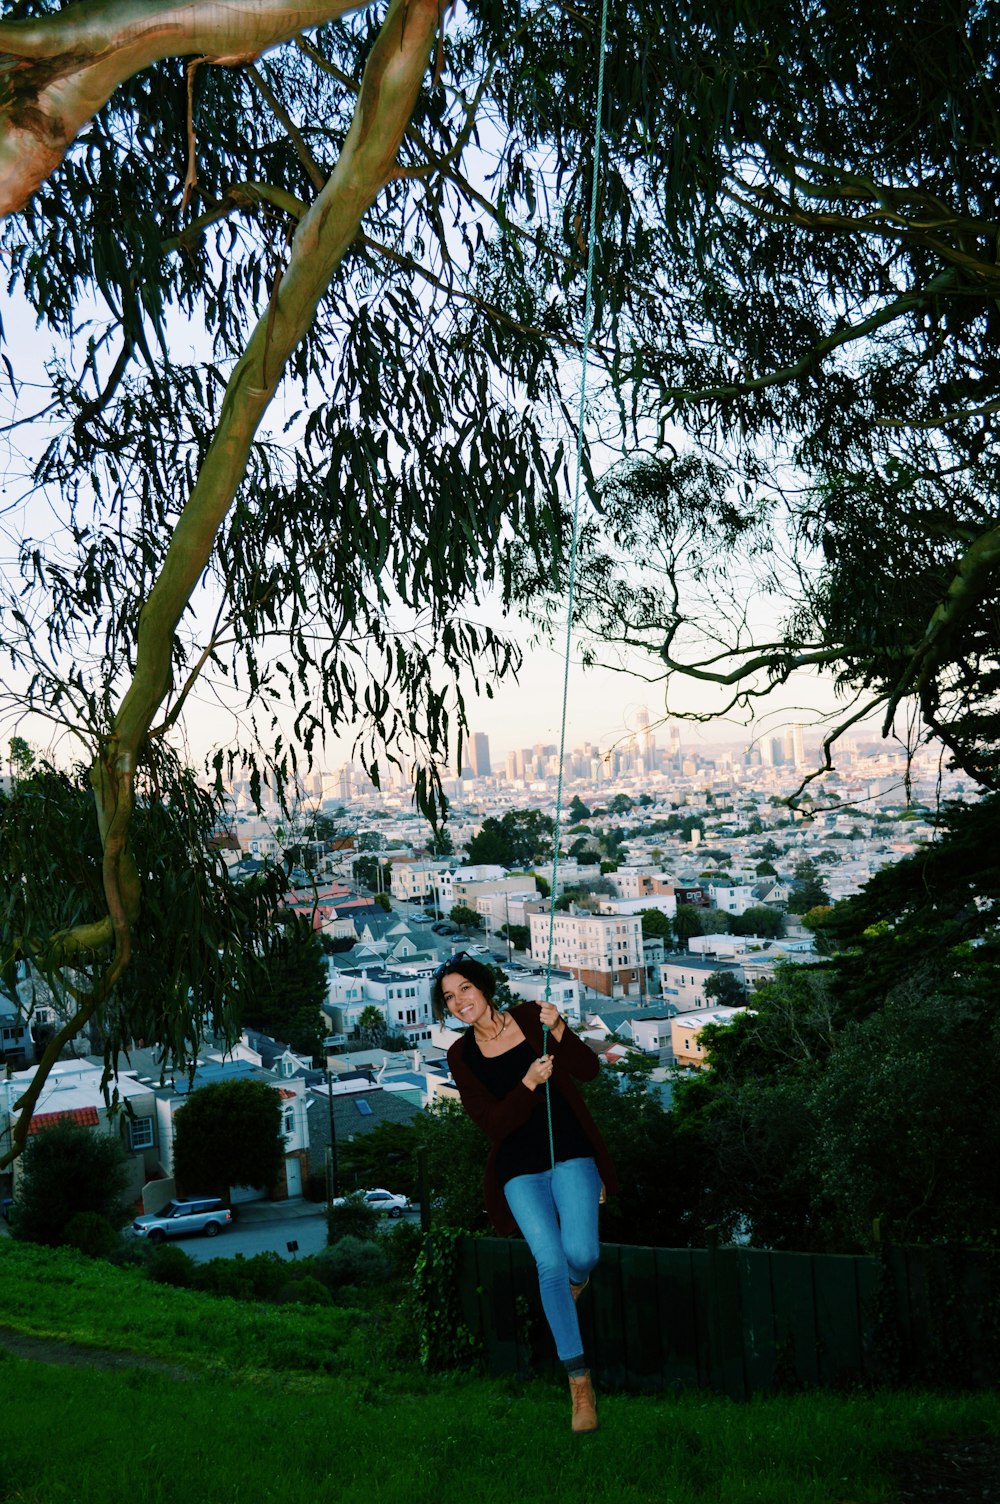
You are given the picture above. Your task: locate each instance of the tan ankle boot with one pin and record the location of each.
(584, 1405)
(577, 1290)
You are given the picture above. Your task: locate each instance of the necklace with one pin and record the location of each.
(491, 1038)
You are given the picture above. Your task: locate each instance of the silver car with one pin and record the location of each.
(182, 1219)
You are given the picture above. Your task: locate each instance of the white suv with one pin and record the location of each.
(181, 1219)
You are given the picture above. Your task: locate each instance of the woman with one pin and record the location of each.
(548, 1189)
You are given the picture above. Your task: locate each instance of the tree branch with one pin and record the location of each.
(945, 281)
(58, 70)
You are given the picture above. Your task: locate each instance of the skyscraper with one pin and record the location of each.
(479, 749)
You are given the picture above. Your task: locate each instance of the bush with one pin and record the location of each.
(171, 1266)
(305, 1291)
(403, 1244)
(68, 1169)
(352, 1261)
(92, 1234)
(257, 1278)
(224, 1277)
(355, 1219)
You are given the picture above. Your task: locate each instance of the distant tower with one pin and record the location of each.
(480, 750)
(798, 750)
(675, 745)
(646, 746)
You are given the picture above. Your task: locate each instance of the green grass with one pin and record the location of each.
(258, 1418)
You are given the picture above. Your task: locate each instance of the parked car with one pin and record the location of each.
(182, 1219)
(383, 1201)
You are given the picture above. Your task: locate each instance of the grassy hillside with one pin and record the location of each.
(224, 1401)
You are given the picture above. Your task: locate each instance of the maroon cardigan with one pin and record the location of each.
(498, 1116)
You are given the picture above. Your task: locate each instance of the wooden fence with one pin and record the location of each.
(742, 1321)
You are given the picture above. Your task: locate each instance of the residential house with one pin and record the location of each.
(732, 898)
(686, 1030)
(683, 979)
(16, 1044)
(291, 1088)
(74, 1090)
(529, 986)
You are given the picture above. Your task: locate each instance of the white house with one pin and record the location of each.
(291, 1089)
(73, 1090)
(683, 979)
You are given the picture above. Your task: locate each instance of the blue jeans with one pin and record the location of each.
(557, 1213)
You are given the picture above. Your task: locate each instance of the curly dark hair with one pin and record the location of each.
(474, 971)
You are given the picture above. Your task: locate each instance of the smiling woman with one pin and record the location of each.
(544, 1175)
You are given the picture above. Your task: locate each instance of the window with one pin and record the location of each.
(290, 1120)
(140, 1133)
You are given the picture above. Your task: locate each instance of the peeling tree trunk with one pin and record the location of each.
(389, 91)
(58, 71)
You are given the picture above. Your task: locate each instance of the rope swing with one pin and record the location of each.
(571, 584)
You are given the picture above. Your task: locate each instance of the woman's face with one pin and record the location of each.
(463, 999)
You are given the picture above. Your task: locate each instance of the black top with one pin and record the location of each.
(526, 1150)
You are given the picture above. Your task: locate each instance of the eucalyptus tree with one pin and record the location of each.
(820, 373)
(207, 204)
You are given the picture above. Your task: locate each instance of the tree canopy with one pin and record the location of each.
(185, 187)
(820, 372)
(794, 336)
(228, 1133)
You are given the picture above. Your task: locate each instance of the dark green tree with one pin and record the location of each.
(199, 939)
(456, 1152)
(836, 173)
(372, 1028)
(292, 987)
(440, 842)
(519, 838)
(529, 834)
(577, 810)
(228, 1133)
(68, 1170)
(465, 918)
(519, 935)
(726, 989)
(656, 924)
(490, 845)
(808, 889)
(760, 919)
(372, 874)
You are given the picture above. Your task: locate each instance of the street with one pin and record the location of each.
(253, 1233)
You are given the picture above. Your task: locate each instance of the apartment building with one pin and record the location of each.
(603, 951)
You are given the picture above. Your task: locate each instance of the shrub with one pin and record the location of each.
(224, 1277)
(352, 1261)
(305, 1291)
(92, 1234)
(403, 1244)
(68, 1169)
(355, 1219)
(171, 1266)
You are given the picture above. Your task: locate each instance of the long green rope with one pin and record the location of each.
(571, 586)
